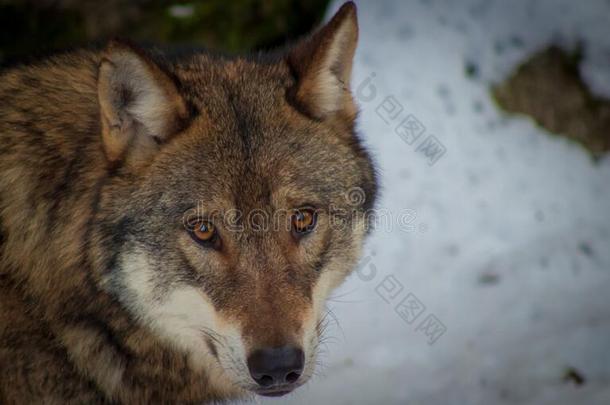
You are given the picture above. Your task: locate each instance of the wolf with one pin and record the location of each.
(131, 267)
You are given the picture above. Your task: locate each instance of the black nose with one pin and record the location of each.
(276, 366)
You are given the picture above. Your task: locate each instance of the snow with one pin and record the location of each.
(510, 246)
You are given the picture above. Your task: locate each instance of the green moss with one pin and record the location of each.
(233, 26)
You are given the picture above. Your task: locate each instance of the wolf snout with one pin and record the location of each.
(276, 370)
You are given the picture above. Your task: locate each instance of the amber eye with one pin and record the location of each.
(303, 221)
(205, 233)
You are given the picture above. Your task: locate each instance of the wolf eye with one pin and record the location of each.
(205, 233)
(303, 221)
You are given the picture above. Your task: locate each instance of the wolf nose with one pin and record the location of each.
(276, 366)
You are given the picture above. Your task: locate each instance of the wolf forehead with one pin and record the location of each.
(256, 81)
(246, 136)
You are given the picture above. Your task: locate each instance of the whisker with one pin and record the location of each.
(335, 298)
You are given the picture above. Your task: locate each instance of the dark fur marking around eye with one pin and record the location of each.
(119, 232)
(323, 257)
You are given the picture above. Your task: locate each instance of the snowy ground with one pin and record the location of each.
(510, 247)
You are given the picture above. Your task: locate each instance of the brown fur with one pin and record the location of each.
(84, 185)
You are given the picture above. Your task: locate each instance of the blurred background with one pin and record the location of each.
(34, 28)
(487, 280)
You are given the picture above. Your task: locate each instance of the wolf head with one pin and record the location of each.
(238, 201)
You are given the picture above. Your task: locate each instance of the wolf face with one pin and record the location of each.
(231, 201)
(215, 212)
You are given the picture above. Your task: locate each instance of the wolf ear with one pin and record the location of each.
(140, 105)
(322, 64)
